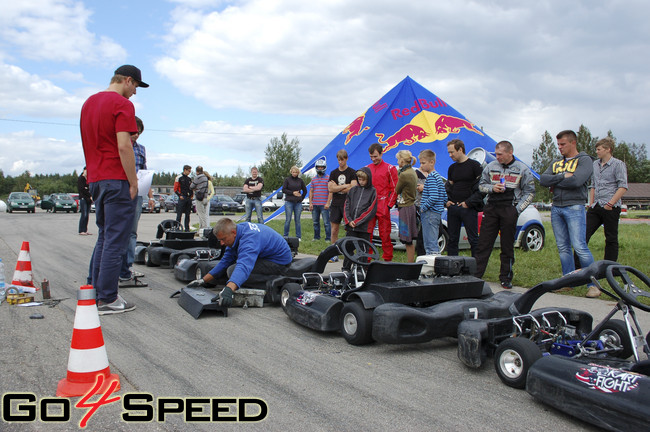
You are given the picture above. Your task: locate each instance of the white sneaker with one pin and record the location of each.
(118, 306)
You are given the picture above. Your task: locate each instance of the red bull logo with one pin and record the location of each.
(426, 127)
(409, 134)
(355, 128)
(449, 124)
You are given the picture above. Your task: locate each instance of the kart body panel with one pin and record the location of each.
(599, 392)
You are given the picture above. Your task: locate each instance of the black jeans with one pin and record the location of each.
(598, 216)
(457, 216)
(495, 219)
(184, 207)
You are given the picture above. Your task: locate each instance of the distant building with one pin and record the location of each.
(637, 196)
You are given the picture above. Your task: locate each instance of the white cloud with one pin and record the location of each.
(486, 59)
(23, 93)
(25, 150)
(55, 30)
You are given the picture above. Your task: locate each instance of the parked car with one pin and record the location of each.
(75, 197)
(542, 205)
(145, 206)
(170, 202)
(223, 203)
(59, 202)
(20, 201)
(529, 236)
(240, 198)
(274, 203)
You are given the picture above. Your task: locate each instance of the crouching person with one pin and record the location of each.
(253, 253)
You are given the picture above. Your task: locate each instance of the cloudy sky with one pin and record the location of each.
(227, 76)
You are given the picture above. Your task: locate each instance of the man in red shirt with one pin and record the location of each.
(107, 122)
(384, 179)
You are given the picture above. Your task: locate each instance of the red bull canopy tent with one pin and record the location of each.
(407, 117)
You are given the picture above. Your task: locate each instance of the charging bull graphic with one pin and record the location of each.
(409, 134)
(449, 124)
(426, 127)
(355, 128)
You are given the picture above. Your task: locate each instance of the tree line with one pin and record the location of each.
(280, 155)
(634, 155)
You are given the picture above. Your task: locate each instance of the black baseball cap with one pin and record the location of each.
(133, 72)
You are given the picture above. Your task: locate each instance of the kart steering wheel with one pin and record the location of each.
(359, 251)
(629, 292)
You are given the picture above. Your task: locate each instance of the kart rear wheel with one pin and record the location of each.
(356, 323)
(513, 358)
(147, 258)
(287, 291)
(614, 334)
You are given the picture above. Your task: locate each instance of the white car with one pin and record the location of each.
(529, 236)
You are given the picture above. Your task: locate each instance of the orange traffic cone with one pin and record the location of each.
(88, 357)
(23, 274)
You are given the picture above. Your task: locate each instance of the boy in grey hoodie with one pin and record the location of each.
(569, 179)
(360, 208)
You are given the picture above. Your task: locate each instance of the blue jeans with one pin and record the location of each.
(431, 231)
(569, 227)
(295, 208)
(129, 253)
(83, 217)
(258, 209)
(317, 211)
(114, 210)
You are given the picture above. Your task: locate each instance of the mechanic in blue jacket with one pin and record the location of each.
(253, 253)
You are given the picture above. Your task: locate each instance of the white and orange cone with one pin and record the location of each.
(23, 274)
(88, 357)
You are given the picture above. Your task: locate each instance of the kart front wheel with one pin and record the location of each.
(513, 358)
(614, 334)
(287, 291)
(356, 323)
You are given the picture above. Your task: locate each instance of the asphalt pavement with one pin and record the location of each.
(308, 380)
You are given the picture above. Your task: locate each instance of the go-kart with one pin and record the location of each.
(349, 301)
(165, 252)
(518, 341)
(603, 388)
(190, 267)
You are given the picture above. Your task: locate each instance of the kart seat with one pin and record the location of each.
(167, 225)
(312, 265)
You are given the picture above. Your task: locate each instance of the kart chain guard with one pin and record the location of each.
(196, 300)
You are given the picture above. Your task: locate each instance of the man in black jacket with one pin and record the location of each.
(465, 200)
(182, 189)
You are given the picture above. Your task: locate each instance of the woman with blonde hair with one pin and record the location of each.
(406, 192)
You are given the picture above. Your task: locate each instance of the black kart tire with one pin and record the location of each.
(287, 291)
(356, 323)
(614, 333)
(533, 239)
(147, 259)
(513, 358)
